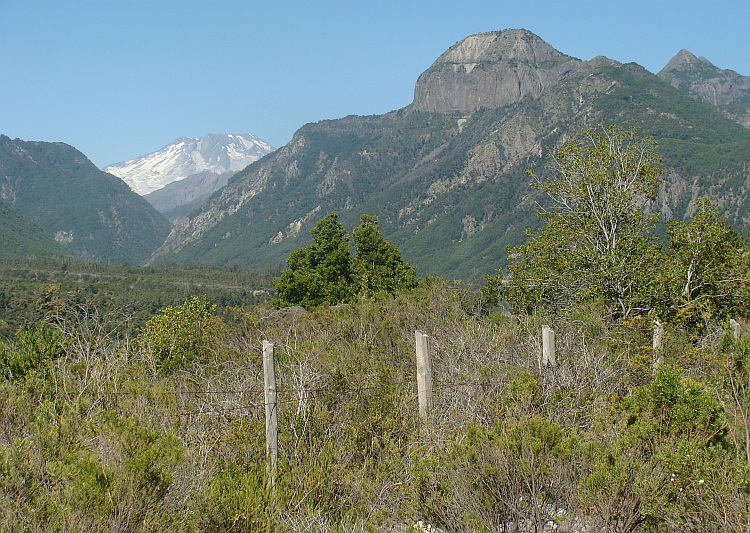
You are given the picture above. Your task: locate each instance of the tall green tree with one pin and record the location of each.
(377, 264)
(320, 273)
(705, 268)
(596, 242)
(324, 272)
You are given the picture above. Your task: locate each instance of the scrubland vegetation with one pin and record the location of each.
(102, 434)
(163, 428)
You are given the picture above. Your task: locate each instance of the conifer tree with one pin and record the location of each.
(378, 265)
(320, 273)
(324, 272)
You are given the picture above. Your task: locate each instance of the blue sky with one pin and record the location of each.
(118, 79)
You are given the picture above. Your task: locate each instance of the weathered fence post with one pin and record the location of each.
(548, 346)
(657, 343)
(735, 328)
(272, 424)
(424, 374)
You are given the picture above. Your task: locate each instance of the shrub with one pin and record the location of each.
(181, 334)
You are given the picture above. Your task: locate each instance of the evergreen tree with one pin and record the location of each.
(378, 266)
(324, 272)
(320, 273)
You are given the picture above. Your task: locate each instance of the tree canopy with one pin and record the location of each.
(377, 264)
(597, 241)
(324, 272)
(320, 273)
(598, 244)
(705, 267)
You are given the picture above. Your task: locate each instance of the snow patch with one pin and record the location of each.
(218, 153)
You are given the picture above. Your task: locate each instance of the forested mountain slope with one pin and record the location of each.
(19, 237)
(93, 214)
(446, 174)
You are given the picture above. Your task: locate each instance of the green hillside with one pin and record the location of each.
(94, 214)
(20, 237)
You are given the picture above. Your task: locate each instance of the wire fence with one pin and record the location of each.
(254, 400)
(297, 393)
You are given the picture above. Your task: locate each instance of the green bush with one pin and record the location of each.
(31, 349)
(182, 334)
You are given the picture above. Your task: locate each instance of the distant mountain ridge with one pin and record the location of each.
(92, 213)
(217, 153)
(445, 174)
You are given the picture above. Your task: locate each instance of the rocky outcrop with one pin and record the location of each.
(700, 79)
(491, 69)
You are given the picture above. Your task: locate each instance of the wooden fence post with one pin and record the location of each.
(548, 346)
(424, 374)
(272, 424)
(657, 343)
(735, 328)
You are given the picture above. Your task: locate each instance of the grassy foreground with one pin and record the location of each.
(164, 431)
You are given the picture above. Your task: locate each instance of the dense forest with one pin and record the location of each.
(162, 426)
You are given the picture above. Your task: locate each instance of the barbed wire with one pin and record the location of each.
(296, 390)
(302, 394)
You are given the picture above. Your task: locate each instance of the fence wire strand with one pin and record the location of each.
(308, 394)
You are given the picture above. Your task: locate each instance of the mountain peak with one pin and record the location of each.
(704, 81)
(216, 152)
(520, 45)
(491, 69)
(684, 60)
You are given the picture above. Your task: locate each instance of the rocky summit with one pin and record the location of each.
(697, 77)
(491, 69)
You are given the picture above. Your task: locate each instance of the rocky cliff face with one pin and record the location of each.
(700, 79)
(491, 69)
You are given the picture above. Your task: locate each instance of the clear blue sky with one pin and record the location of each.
(118, 79)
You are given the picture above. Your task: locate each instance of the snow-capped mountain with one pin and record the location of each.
(217, 153)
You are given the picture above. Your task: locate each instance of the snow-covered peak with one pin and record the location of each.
(215, 152)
